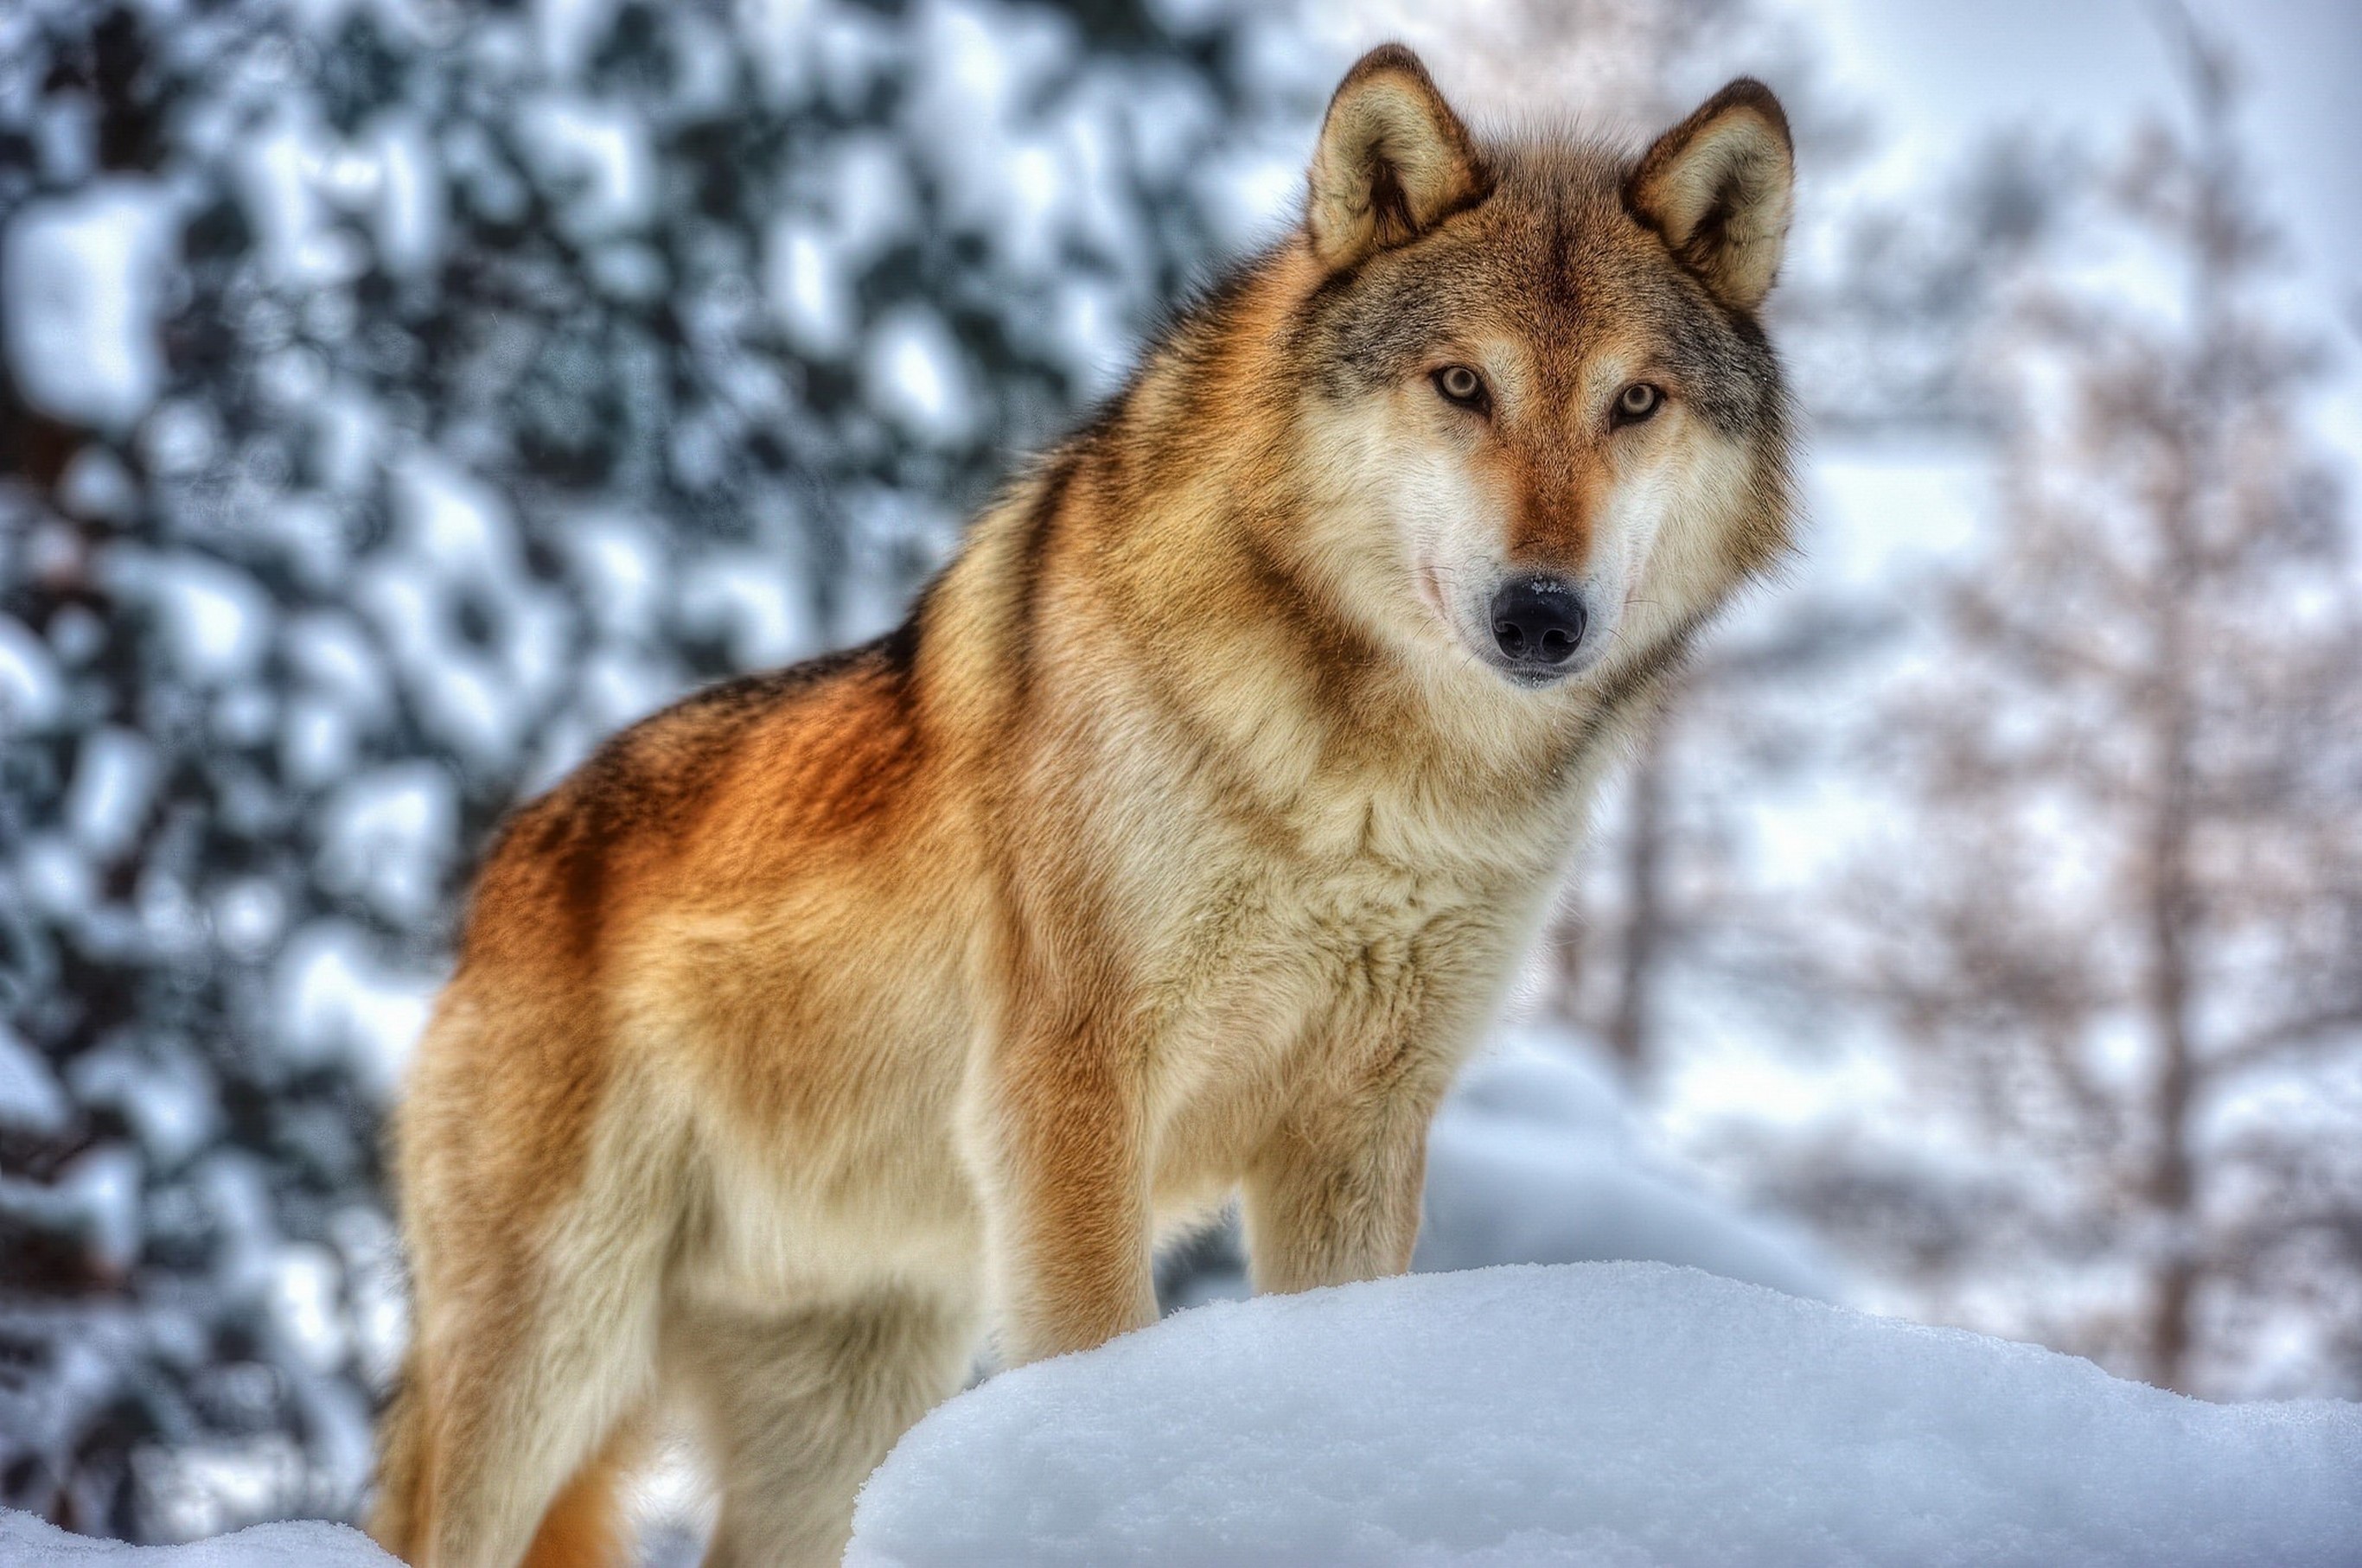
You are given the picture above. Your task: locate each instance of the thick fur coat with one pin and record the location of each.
(1177, 848)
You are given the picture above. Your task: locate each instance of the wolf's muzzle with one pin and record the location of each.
(1538, 622)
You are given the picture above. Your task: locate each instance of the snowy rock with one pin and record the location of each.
(27, 1543)
(1623, 1414)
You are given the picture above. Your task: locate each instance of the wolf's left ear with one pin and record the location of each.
(1394, 160)
(1720, 187)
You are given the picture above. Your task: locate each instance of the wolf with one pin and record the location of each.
(1174, 852)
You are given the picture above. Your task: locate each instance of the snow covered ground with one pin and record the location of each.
(1614, 1414)
(27, 1543)
(1618, 1415)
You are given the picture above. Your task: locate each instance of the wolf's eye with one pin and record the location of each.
(1638, 402)
(1461, 385)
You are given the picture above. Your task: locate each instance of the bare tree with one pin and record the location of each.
(2121, 929)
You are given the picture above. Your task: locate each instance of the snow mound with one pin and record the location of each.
(1616, 1414)
(28, 1542)
(1534, 1158)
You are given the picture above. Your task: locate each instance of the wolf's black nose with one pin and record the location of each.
(1537, 620)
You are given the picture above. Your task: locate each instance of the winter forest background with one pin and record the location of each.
(400, 395)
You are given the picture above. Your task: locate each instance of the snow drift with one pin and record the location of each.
(1618, 1413)
(1535, 1158)
(28, 1542)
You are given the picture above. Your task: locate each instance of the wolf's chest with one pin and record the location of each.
(1260, 920)
(1270, 945)
(1280, 989)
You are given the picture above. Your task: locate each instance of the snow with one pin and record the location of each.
(978, 69)
(53, 877)
(179, 438)
(31, 1100)
(340, 1000)
(169, 1100)
(1535, 1159)
(408, 218)
(96, 484)
(619, 567)
(807, 285)
(917, 376)
(478, 642)
(95, 1198)
(82, 285)
(28, 678)
(854, 204)
(27, 1543)
(1616, 1414)
(751, 604)
(593, 159)
(215, 618)
(113, 781)
(389, 836)
(567, 31)
(283, 177)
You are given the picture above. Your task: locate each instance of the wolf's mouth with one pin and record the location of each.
(1527, 675)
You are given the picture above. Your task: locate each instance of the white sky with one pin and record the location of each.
(1937, 74)
(1936, 77)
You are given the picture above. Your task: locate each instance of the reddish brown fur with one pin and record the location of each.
(586, 1526)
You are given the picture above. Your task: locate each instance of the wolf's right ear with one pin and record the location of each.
(1394, 160)
(1718, 187)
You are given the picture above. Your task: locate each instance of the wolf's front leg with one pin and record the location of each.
(1333, 1195)
(1060, 1137)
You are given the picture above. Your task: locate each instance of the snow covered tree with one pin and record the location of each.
(2119, 928)
(399, 397)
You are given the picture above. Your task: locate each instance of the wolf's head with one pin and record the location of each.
(1539, 418)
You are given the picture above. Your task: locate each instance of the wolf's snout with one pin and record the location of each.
(1538, 621)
